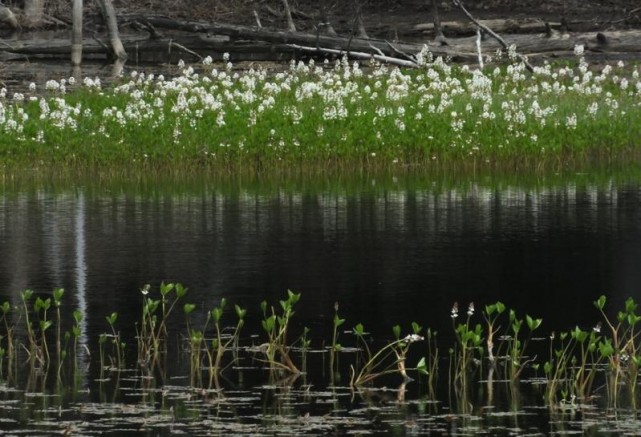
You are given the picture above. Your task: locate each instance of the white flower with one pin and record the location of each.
(579, 49)
(411, 338)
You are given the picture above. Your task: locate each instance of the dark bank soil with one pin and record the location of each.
(385, 18)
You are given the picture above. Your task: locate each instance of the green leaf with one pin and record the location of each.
(188, 308)
(293, 297)
(422, 366)
(600, 302)
(216, 314)
(26, 295)
(396, 329)
(112, 318)
(166, 288)
(57, 295)
(180, 290)
(578, 334)
(416, 328)
(605, 348)
(77, 316)
(269, 323)
(533, 323)
(240, 312)
(359, 329)
(630, 306)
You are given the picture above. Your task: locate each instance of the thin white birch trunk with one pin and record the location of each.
(76, 33)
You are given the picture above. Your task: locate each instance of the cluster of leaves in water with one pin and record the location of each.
(326, 114)
(497, 344)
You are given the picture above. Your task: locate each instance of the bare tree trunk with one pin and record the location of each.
(33, 11)
(112, 26)
(360, 26)
(288, 14)
(438, 29)
(76, 33)
(325, 24)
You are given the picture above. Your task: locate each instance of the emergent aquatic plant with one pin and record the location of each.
(276, 327)
(379, 363)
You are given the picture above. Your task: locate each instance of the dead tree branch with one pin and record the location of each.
(490, 32)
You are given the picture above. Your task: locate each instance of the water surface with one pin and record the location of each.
(389, 249)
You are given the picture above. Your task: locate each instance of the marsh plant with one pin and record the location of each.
(428, 366)
(327, 114)
(275, 323)
(212, 348)
(622, 348)
(220, 343)
(389, 359)
(335, 347)
(152, 336)
(609, 352)
(468, 350)
(117, 357)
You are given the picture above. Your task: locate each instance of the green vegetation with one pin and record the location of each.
(576, 358)
(330, 116)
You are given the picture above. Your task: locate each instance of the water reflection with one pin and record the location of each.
(390, 254)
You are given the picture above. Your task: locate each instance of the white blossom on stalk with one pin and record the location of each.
(571, 121)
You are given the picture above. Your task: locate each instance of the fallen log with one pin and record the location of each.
(193, 40)
(464, 28)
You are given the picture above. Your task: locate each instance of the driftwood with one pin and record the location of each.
(168, 40)
(466, 28)
(8, 18)
(494, 35)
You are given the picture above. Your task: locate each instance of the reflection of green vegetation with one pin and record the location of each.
(176, 181)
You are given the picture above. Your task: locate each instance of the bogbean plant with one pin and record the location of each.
(337, 113)
(276, 326)
(390, 358)
(218, 345)
(576, 356)
(152, 337)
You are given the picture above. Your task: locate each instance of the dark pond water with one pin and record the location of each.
(390, 250)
